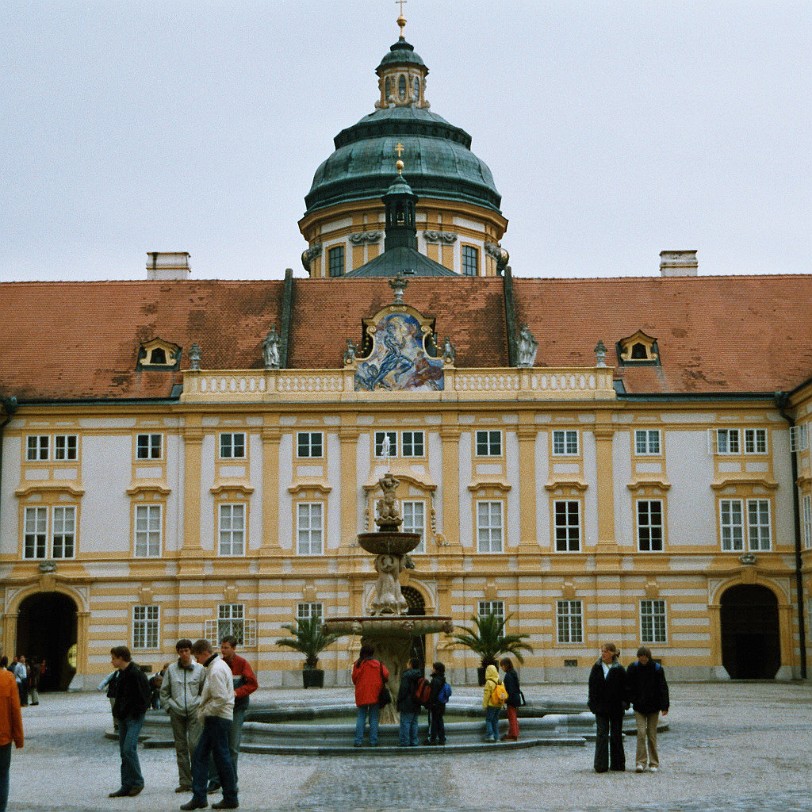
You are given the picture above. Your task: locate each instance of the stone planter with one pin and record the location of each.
(313, 678)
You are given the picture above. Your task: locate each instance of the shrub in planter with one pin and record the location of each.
(487, 639)
(309, 638)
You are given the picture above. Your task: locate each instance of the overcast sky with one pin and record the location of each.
(614, 130)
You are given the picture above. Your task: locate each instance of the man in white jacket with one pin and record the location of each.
(216, 711)
(180, 695)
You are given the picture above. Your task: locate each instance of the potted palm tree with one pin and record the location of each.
(310, 638)
(487, 639)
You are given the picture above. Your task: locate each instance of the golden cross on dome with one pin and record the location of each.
(401, 19)
(399, 149)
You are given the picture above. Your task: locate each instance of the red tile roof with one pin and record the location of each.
(80, 340)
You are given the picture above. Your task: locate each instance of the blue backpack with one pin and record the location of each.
(444, 693)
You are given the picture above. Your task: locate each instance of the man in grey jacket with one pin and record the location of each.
(216, 710)
(180, 695)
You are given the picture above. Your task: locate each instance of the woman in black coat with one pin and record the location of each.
(514, 699)
(608, 701)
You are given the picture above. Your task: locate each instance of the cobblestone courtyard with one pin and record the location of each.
(736, 746)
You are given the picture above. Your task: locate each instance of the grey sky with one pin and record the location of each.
(614, 130)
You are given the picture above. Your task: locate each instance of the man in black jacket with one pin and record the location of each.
(131, 704)
(648, 692)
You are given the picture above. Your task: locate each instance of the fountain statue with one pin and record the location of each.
(388, 627)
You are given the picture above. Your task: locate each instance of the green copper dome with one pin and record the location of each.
(437, 155)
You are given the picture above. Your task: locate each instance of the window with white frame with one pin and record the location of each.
(489, 444)
(495, 608)
(807, 521)
(37, 447)
(309, 528)
(733, 526)
(380, 437)
(489, 527)
(755, 441)
(148, 446)
(49, 532)
(727, 441)
(569, 622)
(649, 525)
(413, 444)
(232, 445)
(309, 444)
(148, 530)
(567, 515)
(414, 521)
(66, 447)
(652, 621)
(799, 438)
(231, 529)
(565, 443)
(146, 627)
(309, 611)
(231, 622)
(646, 442)
(43, 447)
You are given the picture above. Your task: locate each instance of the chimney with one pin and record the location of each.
(678, 263)
(168, 265)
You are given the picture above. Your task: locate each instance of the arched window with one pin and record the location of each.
(416, 89)
(639, 351)
(402, 87)
(158, 356)
(387, 88)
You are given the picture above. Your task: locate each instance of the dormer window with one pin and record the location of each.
(158, 354)
(638, 349)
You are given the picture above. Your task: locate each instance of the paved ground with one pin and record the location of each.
(735, 746)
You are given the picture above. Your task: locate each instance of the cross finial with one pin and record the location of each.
(399, 149)
(401, 19)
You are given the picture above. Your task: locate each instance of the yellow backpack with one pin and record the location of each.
(498, 696)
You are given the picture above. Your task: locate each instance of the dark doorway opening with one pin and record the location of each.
(751, 646)
(417, 606)
(46, 630)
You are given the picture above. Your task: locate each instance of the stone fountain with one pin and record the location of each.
(388, 628)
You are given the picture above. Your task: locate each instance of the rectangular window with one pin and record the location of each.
(755, 441)
(232, 530)
(495, 608)
(146, 627)
(413, 444)
(36, 447)
(66, 447)
(148, 446)
(380, 437)
(565, 443)
(650, 525)
(567, 526)
(489, 444)
(148, 531)
(470, 260)
(799, 438)
(489, 527)
(309, 611)
(36, 532)
(64, 532)
(309, 444)
(336, 260)
(232, 446)
(231, 622)
(727, 441)
(731, 523)
(569, 622)
(807, 511)
(309, 528)
(758, 524)
(652, 621)
(414, 521)
(646, 442)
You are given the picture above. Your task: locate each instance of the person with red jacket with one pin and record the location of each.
(11, 729)
(245, 683)
(368, 676)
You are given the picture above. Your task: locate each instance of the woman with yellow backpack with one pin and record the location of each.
(494, 697)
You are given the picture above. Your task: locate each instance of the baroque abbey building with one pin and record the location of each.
(593, 459)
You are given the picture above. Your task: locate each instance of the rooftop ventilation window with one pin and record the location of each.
(158, 354)
(638, 349)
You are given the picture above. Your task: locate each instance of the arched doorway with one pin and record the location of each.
(751, 647)
(46, 629)
(417, 606)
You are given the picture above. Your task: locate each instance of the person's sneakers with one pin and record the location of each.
(119, 793)
(135, 791)
(654, 769)
(640, 768)
(224, 804)
(357, 744)
(212, 787)
(193, 804)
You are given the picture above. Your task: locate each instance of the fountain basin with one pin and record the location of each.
(402, 627)
(388, 542)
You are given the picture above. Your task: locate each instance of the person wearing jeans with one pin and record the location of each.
(368, 677)
(408, 705)
(131, 704)
(491, 709)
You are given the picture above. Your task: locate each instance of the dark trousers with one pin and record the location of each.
(214, 741)
(609, 739)
(436, 724)
(5, 765)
